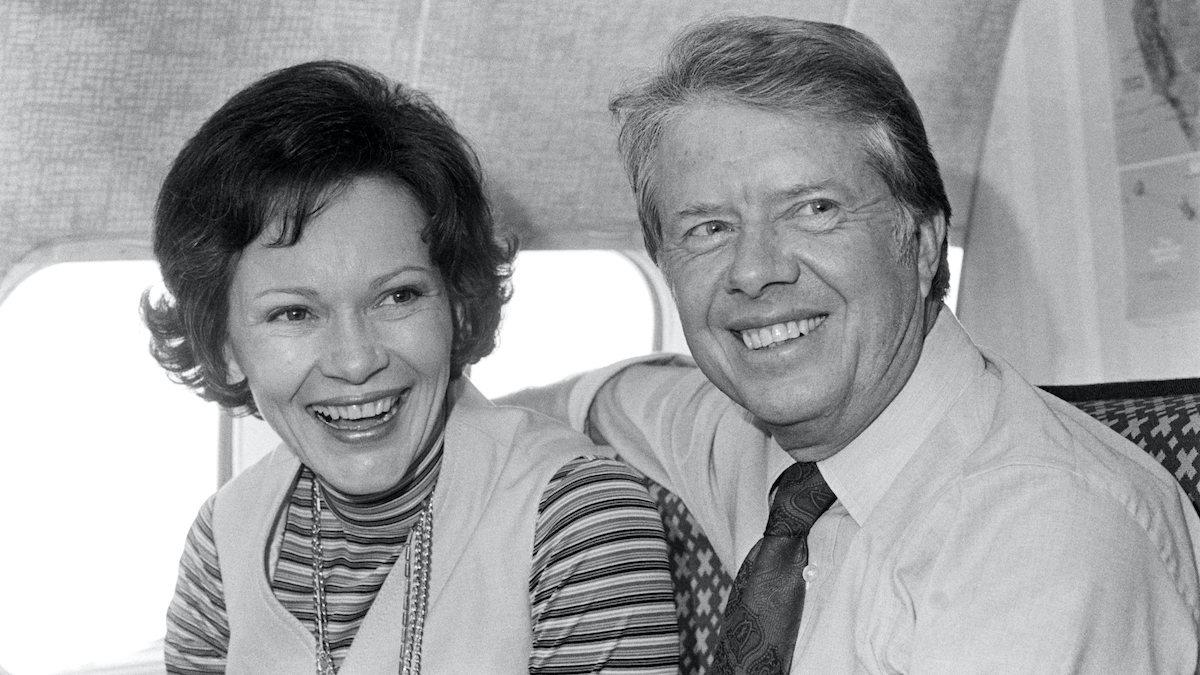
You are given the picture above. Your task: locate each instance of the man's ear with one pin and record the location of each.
(233, 370)
(931, 239)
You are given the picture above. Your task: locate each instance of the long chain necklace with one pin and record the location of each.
(416, 600)
(324, 659)
(418, 553)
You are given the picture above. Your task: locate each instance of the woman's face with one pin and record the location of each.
(345, 336)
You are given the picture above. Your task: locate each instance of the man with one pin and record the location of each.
(787, 191)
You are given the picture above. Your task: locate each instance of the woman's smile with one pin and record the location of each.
(358, 416)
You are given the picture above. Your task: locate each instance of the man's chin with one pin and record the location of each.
(794, 415)
(780, 413)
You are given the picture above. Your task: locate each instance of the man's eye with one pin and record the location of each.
(816, 207)
(290, 314)
(708, 229)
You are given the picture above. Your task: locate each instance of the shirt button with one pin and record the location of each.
(809, 574)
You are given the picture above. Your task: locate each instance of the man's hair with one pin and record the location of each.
(791, 67)
(278, 152)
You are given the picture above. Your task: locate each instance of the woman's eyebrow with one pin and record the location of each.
(305, 291)
(387, 277)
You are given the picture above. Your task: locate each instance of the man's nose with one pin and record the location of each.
(759, 261)
(353, 351)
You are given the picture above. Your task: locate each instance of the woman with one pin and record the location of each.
(330, 265)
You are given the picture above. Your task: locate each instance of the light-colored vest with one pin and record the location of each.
(496, 465)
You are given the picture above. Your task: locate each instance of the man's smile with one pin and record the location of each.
(768, 336)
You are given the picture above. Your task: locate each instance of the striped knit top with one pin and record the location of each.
(590, 503)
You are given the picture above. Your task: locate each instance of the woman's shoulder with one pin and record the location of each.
(587, 481)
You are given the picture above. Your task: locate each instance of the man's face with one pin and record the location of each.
(779, 247)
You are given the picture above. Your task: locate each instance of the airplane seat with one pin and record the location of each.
(1162, 417)
(701, 583)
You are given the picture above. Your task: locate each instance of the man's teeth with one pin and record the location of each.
(357, 411)
(757, 338)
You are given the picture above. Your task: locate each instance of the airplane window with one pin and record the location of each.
(103, 465)
(954, 256)
(571, 311)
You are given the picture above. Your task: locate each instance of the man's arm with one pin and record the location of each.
(549, 400)
(663, 417)
(573, 400)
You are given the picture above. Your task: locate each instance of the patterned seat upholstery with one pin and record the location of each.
(1161, 417)
(702, 585)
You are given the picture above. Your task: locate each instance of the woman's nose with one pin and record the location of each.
(353, 352)
(759, 261)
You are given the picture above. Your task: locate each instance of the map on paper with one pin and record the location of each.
(1155, 51)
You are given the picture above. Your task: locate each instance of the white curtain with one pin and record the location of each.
(1061, 272)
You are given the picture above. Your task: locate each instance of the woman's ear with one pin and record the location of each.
(460, 316)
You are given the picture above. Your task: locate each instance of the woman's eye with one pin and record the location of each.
(401, 296)
(290, 314)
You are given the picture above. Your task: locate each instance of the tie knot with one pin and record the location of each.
(801, 496)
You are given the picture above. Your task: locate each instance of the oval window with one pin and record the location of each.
(104, 463)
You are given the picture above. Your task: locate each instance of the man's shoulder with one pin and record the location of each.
(1035, 443)
(1029, 427)
(1020, 468)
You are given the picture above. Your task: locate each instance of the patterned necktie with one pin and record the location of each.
(758, 631)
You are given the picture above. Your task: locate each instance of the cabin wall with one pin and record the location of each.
(1068, 272)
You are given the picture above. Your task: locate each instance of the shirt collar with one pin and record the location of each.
(862, 472)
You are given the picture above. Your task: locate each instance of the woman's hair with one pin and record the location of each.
(276, 153)
(791, 67)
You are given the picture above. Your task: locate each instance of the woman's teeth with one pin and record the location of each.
(758, 338)
(341, 416)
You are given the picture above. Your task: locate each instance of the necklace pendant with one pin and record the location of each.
(324, 663)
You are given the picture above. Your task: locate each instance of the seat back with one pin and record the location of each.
(1162, 417)
(701, 583)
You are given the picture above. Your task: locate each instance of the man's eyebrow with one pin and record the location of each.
(699, 210)
(800, 190)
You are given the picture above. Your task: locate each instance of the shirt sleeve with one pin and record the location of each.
(600, 587)
(657, 416)
(197, 639)
(1039, 572)
(570, 400)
